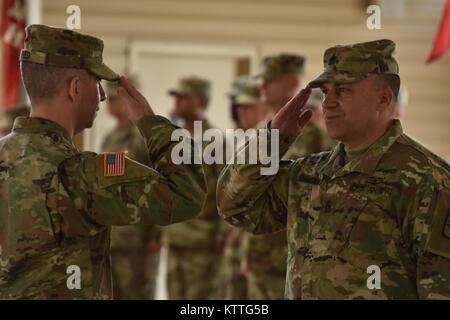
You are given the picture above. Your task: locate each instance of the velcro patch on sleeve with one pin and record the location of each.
(114, 164)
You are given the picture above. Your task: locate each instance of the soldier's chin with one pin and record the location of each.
(334, 133)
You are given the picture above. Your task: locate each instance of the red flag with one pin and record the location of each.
(12, 36)
(442, 41)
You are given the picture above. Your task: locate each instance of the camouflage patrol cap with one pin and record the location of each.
(192, 85)
(275, 66)
(110, 87)
(8, 116)
(65, 48)
(245, 90)
(355, 62)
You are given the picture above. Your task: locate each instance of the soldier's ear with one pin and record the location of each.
(74, 89)
(386, 99)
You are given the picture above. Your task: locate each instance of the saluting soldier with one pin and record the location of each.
(58, 204)
(378, 202)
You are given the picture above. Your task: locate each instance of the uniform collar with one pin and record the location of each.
(44, 126)
(365, 163)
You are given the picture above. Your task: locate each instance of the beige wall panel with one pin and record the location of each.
(304, 26)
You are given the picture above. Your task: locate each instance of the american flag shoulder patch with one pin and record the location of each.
(114, 164)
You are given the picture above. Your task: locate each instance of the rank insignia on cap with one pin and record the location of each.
(114, 164)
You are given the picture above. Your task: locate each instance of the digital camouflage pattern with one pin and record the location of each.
(194, 86)
(355, 62)
(234, 282)
(135, 250)
(196, 246)
(58, 47)
(266, 254)
(57, 207)
(277, 65)
(387, 207)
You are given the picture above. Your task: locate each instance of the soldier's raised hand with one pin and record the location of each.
(135, 103)
(292, 118)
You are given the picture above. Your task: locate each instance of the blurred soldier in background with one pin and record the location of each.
(249, 113)
(282, 79)
(195, 249)
(266, 255)
(8, 116)
(401, 103)
(135, 250)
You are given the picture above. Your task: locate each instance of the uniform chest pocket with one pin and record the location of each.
(333, 218)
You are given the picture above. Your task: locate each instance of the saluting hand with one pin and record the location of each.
(135, 103)
(292, 118)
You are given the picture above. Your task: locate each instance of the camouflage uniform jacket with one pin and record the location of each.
(207, 228)
(312, 140)
(388, 207)
(57, 206)
(129, 139)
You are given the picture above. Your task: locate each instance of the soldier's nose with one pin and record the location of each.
(329, 101)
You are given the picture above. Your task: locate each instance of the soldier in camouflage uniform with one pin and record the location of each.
(195, 248)
(378, 200)
(8, 116)
(135, 250)
(245, 99)
(58, 204)
(266, 255)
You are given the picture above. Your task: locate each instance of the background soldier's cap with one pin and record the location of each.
(245, 90)
(8, 116)
(275, 66)
(315, 99)
(355, 62)
(192, 85)
(402, 100)
(65, 48)
(110, 87)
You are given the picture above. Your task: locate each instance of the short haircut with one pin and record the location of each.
(391, 81)
(44, 82)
